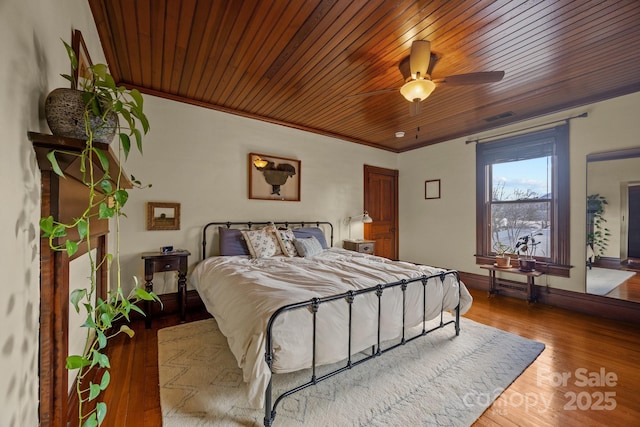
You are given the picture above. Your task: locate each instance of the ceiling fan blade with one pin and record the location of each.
(472, 78)
(373, 92)
(419, 58)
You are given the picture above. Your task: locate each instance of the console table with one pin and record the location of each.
(531, 277)
(156, 262)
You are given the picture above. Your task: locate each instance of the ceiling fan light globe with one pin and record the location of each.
(417, 89)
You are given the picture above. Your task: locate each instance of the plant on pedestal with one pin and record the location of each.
(101, 101)
(527, 245)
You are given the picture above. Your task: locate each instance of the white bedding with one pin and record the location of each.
(243, 293)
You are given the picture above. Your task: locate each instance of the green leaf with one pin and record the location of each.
(102, 339)
(106, 379)
(72, 55)
(106, 319)
(106, 186)
(105, 211)
(51, 156)
(76, 296)
(72, 247)
(126, 144)
(46, 225)
(136, 133)
(127, 330)
(76, 362)
(138, 309)
(101, 411)
(92, 421)
(121, 197)
(104, 161)
(94, 391)
(144, 295)
(83, 228)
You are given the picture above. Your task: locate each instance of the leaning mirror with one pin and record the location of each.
(613, 224)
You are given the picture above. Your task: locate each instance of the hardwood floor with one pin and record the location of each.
(578, 347)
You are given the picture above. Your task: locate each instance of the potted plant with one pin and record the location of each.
(105, 318)
(527, 245)
(598, 234)
(503, 257)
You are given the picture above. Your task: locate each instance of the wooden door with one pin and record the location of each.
(633, 249)
(381, 201)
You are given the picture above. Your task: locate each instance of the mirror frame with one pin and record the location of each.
(158, 223)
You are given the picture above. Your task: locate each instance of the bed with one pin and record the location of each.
(308, 304)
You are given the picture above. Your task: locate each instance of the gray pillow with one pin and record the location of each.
(232, 242)
(316, 232)
(308, 247)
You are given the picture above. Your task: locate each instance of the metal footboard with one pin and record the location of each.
(377, 350)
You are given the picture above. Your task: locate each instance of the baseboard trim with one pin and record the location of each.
(593, 305)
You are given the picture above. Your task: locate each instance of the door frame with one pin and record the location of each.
(368, 171)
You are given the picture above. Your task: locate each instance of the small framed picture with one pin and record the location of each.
(432, 189)
(163, 216)
(274, 178)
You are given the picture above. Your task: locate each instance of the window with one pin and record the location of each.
(522, 188)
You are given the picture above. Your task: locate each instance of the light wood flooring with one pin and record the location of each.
(577, 347)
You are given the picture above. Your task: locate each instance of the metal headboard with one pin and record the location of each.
(249, 224)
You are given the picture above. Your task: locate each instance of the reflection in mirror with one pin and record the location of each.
(613, 224)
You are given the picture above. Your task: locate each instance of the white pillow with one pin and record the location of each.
(308, 247)
(262, 243)
(286, 239)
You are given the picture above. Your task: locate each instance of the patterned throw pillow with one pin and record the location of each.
(262, 243)
(308, 247)
(286, 238)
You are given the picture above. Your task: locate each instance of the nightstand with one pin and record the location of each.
(159, 262)
(362, 246)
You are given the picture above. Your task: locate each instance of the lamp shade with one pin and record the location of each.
(417, 89)
(366, 218)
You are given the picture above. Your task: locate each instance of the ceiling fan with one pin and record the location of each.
(416, 70)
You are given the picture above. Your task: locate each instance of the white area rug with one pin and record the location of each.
(436, 380)
(601, 281)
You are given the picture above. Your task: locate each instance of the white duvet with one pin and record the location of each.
(243, 293)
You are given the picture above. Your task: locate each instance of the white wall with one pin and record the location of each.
(442, 231)
(32, 59)
(199, 158)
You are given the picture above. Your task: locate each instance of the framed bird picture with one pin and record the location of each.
(274, 178)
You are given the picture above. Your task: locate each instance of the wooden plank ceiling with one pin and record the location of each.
(297, 62)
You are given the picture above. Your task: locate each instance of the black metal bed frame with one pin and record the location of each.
(349, 297)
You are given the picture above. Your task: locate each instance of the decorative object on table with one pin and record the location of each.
(363, 218)
(527, 245)
(432, 189)
(597, 233)
(163, 216)
(503, 257)
(106, 196)
(274, 178)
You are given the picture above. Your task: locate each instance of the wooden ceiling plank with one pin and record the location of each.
(295, 13)
(201, 48)
(170, 25)
(131, 39)
(143, 12)
(197, 42)
(98, 10)
(232, 30)
(188, 27)
(158, 13)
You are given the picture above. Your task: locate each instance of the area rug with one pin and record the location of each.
(601, 281)
(436, 380)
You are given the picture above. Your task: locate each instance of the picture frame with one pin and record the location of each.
(274, 178)
(432, 189)
(82, 73)
(163, 216)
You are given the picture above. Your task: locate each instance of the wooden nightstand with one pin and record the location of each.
(362, 246)
(159, 262)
